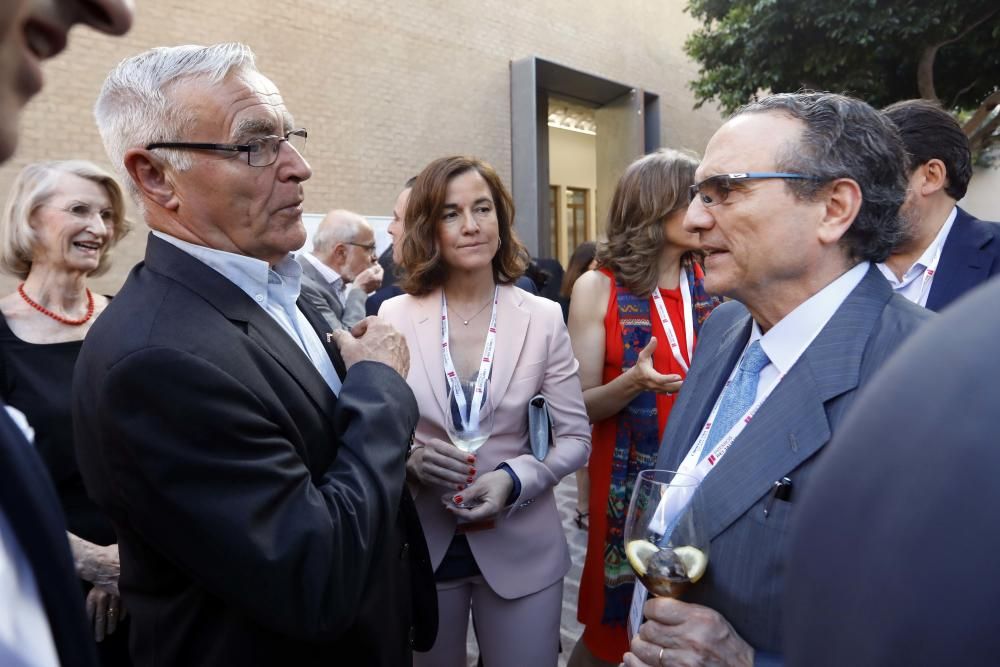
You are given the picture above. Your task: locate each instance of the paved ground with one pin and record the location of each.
(566, 499)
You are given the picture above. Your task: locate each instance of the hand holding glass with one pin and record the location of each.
(665, 538)
(468, 429)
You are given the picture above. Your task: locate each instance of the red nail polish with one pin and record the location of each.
(458, 499)
(471, 459)
(472, 471)
(470, 480)
(460, 487)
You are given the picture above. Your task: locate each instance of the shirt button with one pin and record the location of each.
(404, 550)
(259, 298)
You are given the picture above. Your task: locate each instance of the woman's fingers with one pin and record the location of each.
(446, 465)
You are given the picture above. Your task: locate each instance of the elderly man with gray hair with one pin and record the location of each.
(248, 460)
(342, 267)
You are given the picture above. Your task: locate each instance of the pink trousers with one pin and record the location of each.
(522, 632)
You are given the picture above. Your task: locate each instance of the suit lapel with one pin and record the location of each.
(964, 261)
(512, 327)
(792, 424)
(427, 327)
(322, 328)
(234, 304)
(264, 331)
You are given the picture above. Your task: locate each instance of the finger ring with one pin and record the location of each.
(659, 657)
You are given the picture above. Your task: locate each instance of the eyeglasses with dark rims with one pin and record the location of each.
(260, 152)
(715, 190)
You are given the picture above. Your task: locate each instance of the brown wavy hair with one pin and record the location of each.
(422, 267)
(652, 188)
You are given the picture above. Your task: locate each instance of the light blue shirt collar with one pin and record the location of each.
(251, 275)
(275, 289)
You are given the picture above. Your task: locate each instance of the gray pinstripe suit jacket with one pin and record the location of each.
(745, 577)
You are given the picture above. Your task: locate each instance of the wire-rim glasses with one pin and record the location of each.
(261, 152)
(715, 190)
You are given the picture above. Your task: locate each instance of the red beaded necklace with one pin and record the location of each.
(59, 318)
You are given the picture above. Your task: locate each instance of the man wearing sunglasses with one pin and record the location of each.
(253, 469)
(343, 267)
(797, 197)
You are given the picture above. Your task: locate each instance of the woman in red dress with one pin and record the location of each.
(633, 323)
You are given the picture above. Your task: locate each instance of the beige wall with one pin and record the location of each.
(382, 87)
(982, 199)
(572, 159)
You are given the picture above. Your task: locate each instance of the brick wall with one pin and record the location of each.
(382, 87)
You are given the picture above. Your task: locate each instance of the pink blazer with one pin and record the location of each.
(527, 550)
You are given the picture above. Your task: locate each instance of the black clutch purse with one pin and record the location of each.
(539, 426)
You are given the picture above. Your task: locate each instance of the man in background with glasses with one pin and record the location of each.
(252, 464)
(343, 266)
(797, 196)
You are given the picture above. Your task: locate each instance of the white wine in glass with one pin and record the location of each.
(665, 540)
(468, 427)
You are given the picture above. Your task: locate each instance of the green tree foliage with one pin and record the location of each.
(879, 50)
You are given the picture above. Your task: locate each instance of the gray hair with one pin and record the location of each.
(33, 187)
(135, 108)
(846, 138)
(339, 226)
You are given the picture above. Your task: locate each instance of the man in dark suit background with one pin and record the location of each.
(41, 615)
(254, 472)
(798, 195)
(946, 252)
(893, 556)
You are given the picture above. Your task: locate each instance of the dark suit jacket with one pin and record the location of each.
(745, 576)
(971, 255)
(30, 503)
(261, 519)
(893, 556)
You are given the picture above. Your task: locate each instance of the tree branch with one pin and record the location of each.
(984, 136)
(925, 68)
(981, 114)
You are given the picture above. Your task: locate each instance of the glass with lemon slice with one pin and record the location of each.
(665, 540)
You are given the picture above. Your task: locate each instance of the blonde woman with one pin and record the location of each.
(61, 221)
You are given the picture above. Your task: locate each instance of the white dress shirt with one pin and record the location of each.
(909, 286)
(275, 290)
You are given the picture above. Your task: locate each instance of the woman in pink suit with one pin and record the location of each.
(505, 556)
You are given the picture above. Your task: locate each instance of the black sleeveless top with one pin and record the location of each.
(37, 379)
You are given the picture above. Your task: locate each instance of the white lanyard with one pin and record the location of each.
(925, 282)
(674, 500)
(484, 367)
(699, 468)
(668, 326)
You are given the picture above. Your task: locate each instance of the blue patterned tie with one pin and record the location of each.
(739, 396)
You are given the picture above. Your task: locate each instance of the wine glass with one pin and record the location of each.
(665, 538)
(468, 428)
